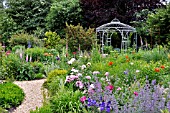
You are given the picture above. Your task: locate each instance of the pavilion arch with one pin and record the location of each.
(105, 32)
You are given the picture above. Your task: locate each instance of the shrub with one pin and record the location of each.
(79, 38)
(10, 95)
(14, 67)
(24, 39)
(52, 40)
(54, 78)
(55, 73)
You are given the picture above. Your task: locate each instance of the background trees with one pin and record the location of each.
(98, 12)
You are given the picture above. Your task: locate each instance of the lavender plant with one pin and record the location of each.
(150, 98)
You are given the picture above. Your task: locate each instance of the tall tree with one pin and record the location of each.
(98, 12)
(28, 14)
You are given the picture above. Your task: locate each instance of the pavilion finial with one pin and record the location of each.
(115, 20)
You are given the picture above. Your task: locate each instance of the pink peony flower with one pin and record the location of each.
(83, 99)
(135, 93)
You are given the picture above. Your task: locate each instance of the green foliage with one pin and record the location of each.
(29, 15)
(52, 74)
(23, 39)
(18, 47)
(158, 23)
(14, 67)
(44, 109)
(10, 95)
(77, 37)
(37, 53)
(65, 100)
(61, 12)
(7, 27)
(52, 40)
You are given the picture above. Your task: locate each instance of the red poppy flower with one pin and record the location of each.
(110, 63)
(127, 56)
(157, 70)
(162, 66)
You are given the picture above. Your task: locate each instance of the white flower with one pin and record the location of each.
(88, 64)
(74, 70)
(137, 71)
(83, 67)
(92, 86)
(79, 74)
(131, 63)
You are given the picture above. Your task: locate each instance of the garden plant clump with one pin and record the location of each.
(11, 95)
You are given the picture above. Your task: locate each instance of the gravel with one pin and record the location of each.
(33, 95)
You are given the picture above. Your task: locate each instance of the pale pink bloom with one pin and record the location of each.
(67, 79)
(119, 89)
(90, 90)
(20, 55)
(73, 77)
(83, 99)
(88, 77)
(27, 58)
(96, 72)
(106, 74)
(79, 84)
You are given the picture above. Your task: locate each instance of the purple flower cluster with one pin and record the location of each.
(149, 99)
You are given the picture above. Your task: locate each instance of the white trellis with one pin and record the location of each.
(105, 32)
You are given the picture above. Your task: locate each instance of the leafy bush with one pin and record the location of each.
(52, 40)
(10, 95)
(61, 12)
(24, 39)
(79, 38)
(14, 67)
(53, 80)
(52, 74)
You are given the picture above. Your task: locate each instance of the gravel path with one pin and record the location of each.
(33, 95)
